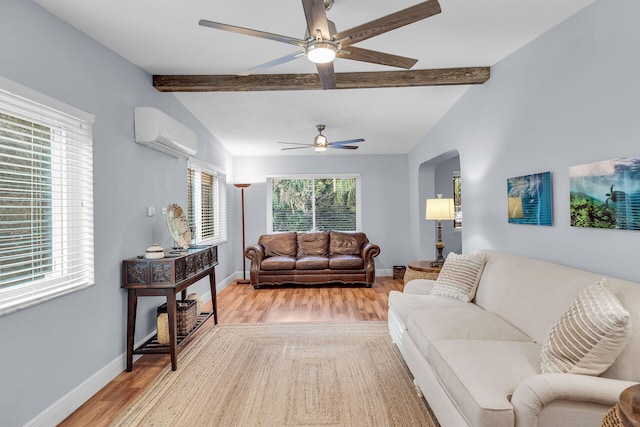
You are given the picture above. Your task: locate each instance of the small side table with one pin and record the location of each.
(421, 270)
(626, 413)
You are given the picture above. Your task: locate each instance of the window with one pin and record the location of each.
(303, 203)
(207, 200)
(46, 195)
(457, 199)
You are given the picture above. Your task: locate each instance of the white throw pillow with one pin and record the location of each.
(459, 276)
(589, 336)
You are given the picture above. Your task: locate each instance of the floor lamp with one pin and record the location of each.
(440, 209)
(244, 280)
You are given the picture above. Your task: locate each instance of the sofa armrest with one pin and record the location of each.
(255, 253)
(369, 251)
(419, 286)
(531, 396)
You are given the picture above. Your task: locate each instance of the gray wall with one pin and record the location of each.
(569, 97)
(50, 349)
(384, 195)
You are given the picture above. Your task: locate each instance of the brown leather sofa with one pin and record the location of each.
(312, 258)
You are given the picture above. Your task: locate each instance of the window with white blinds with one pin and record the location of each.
(46, 198)
(314, 203)
(207, 200)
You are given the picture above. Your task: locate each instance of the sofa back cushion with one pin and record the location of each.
(346, 243)
(533, 295)
(313, 244)
(279, 244)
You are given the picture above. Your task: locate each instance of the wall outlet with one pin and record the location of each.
(151, 211)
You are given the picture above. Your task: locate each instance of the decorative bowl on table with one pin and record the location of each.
(178, 226)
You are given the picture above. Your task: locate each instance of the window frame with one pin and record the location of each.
(71, 216)
(457, 200)
(355, 176)
(218, 208)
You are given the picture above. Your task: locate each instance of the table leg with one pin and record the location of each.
(132, 306)
(173, 336)
(214, 295)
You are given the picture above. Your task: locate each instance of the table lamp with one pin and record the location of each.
(440, 209)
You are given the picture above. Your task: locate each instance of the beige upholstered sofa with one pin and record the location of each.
(314, 258)
(478, 363)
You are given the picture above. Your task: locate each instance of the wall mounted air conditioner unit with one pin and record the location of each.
(157, 130)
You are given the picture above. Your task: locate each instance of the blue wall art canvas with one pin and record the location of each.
(529, 199)
(606, 194)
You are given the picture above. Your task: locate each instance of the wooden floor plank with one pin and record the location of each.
(243, 304)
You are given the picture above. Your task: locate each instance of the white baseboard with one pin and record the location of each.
(384, 272)
(67, 404)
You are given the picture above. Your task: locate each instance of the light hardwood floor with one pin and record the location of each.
(242, 304)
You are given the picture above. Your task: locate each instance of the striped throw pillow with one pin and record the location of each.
(459, 276)
(589, 336)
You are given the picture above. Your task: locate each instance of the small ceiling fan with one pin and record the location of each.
(320, 143)
(322, 43)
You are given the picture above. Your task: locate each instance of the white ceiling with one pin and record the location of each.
(163, 37)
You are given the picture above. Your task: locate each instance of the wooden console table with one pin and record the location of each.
(421, 270)
(166, 277)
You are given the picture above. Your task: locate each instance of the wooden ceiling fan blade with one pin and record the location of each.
(294, 148)
(316, 15)
(347, 141)
(253, 33)
(327, 75)
(389, 22)
(273, 63)
(372, 56)
(344, 147)
(296, 143)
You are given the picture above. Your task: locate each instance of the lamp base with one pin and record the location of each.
(439, 248)
(243, 281)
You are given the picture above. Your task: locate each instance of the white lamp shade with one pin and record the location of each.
(440, 209)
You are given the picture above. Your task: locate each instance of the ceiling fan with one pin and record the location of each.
(322, 43)
(320, 143)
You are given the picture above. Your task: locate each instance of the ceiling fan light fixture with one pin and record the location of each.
(320, 143)
(321, 52)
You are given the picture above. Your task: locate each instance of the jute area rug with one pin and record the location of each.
(284, 374)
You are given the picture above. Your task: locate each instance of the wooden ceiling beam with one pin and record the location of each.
(362, 80)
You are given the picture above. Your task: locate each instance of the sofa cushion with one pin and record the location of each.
(279, 244)
(403, 303)
(345, 243)
(481, 375)
(312, 263)
(589, 336)
(459, 276)
(313, 244)
(275, 263)
(345, 262)
(467, 321)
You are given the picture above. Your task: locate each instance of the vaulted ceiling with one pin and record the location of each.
(163, 37)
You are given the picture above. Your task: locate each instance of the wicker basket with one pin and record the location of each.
(186, 319)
